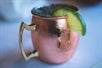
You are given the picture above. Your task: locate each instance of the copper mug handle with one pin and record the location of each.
(27, 27)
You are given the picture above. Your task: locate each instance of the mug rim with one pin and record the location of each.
(59, 17)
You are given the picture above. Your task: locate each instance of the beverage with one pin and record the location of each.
(54, 39)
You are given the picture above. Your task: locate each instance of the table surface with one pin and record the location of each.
(89, 51)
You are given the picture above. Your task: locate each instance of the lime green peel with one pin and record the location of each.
(76, 22)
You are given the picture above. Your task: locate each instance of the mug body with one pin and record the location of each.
(45, 39)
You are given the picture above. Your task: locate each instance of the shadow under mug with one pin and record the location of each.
(52, 39)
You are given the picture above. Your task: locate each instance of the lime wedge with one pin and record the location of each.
(74, 19)
(76, 22)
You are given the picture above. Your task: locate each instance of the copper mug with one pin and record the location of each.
(52, 39)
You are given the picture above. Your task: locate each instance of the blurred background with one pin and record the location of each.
(13, 12)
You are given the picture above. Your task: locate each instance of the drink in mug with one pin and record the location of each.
(55, 31)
